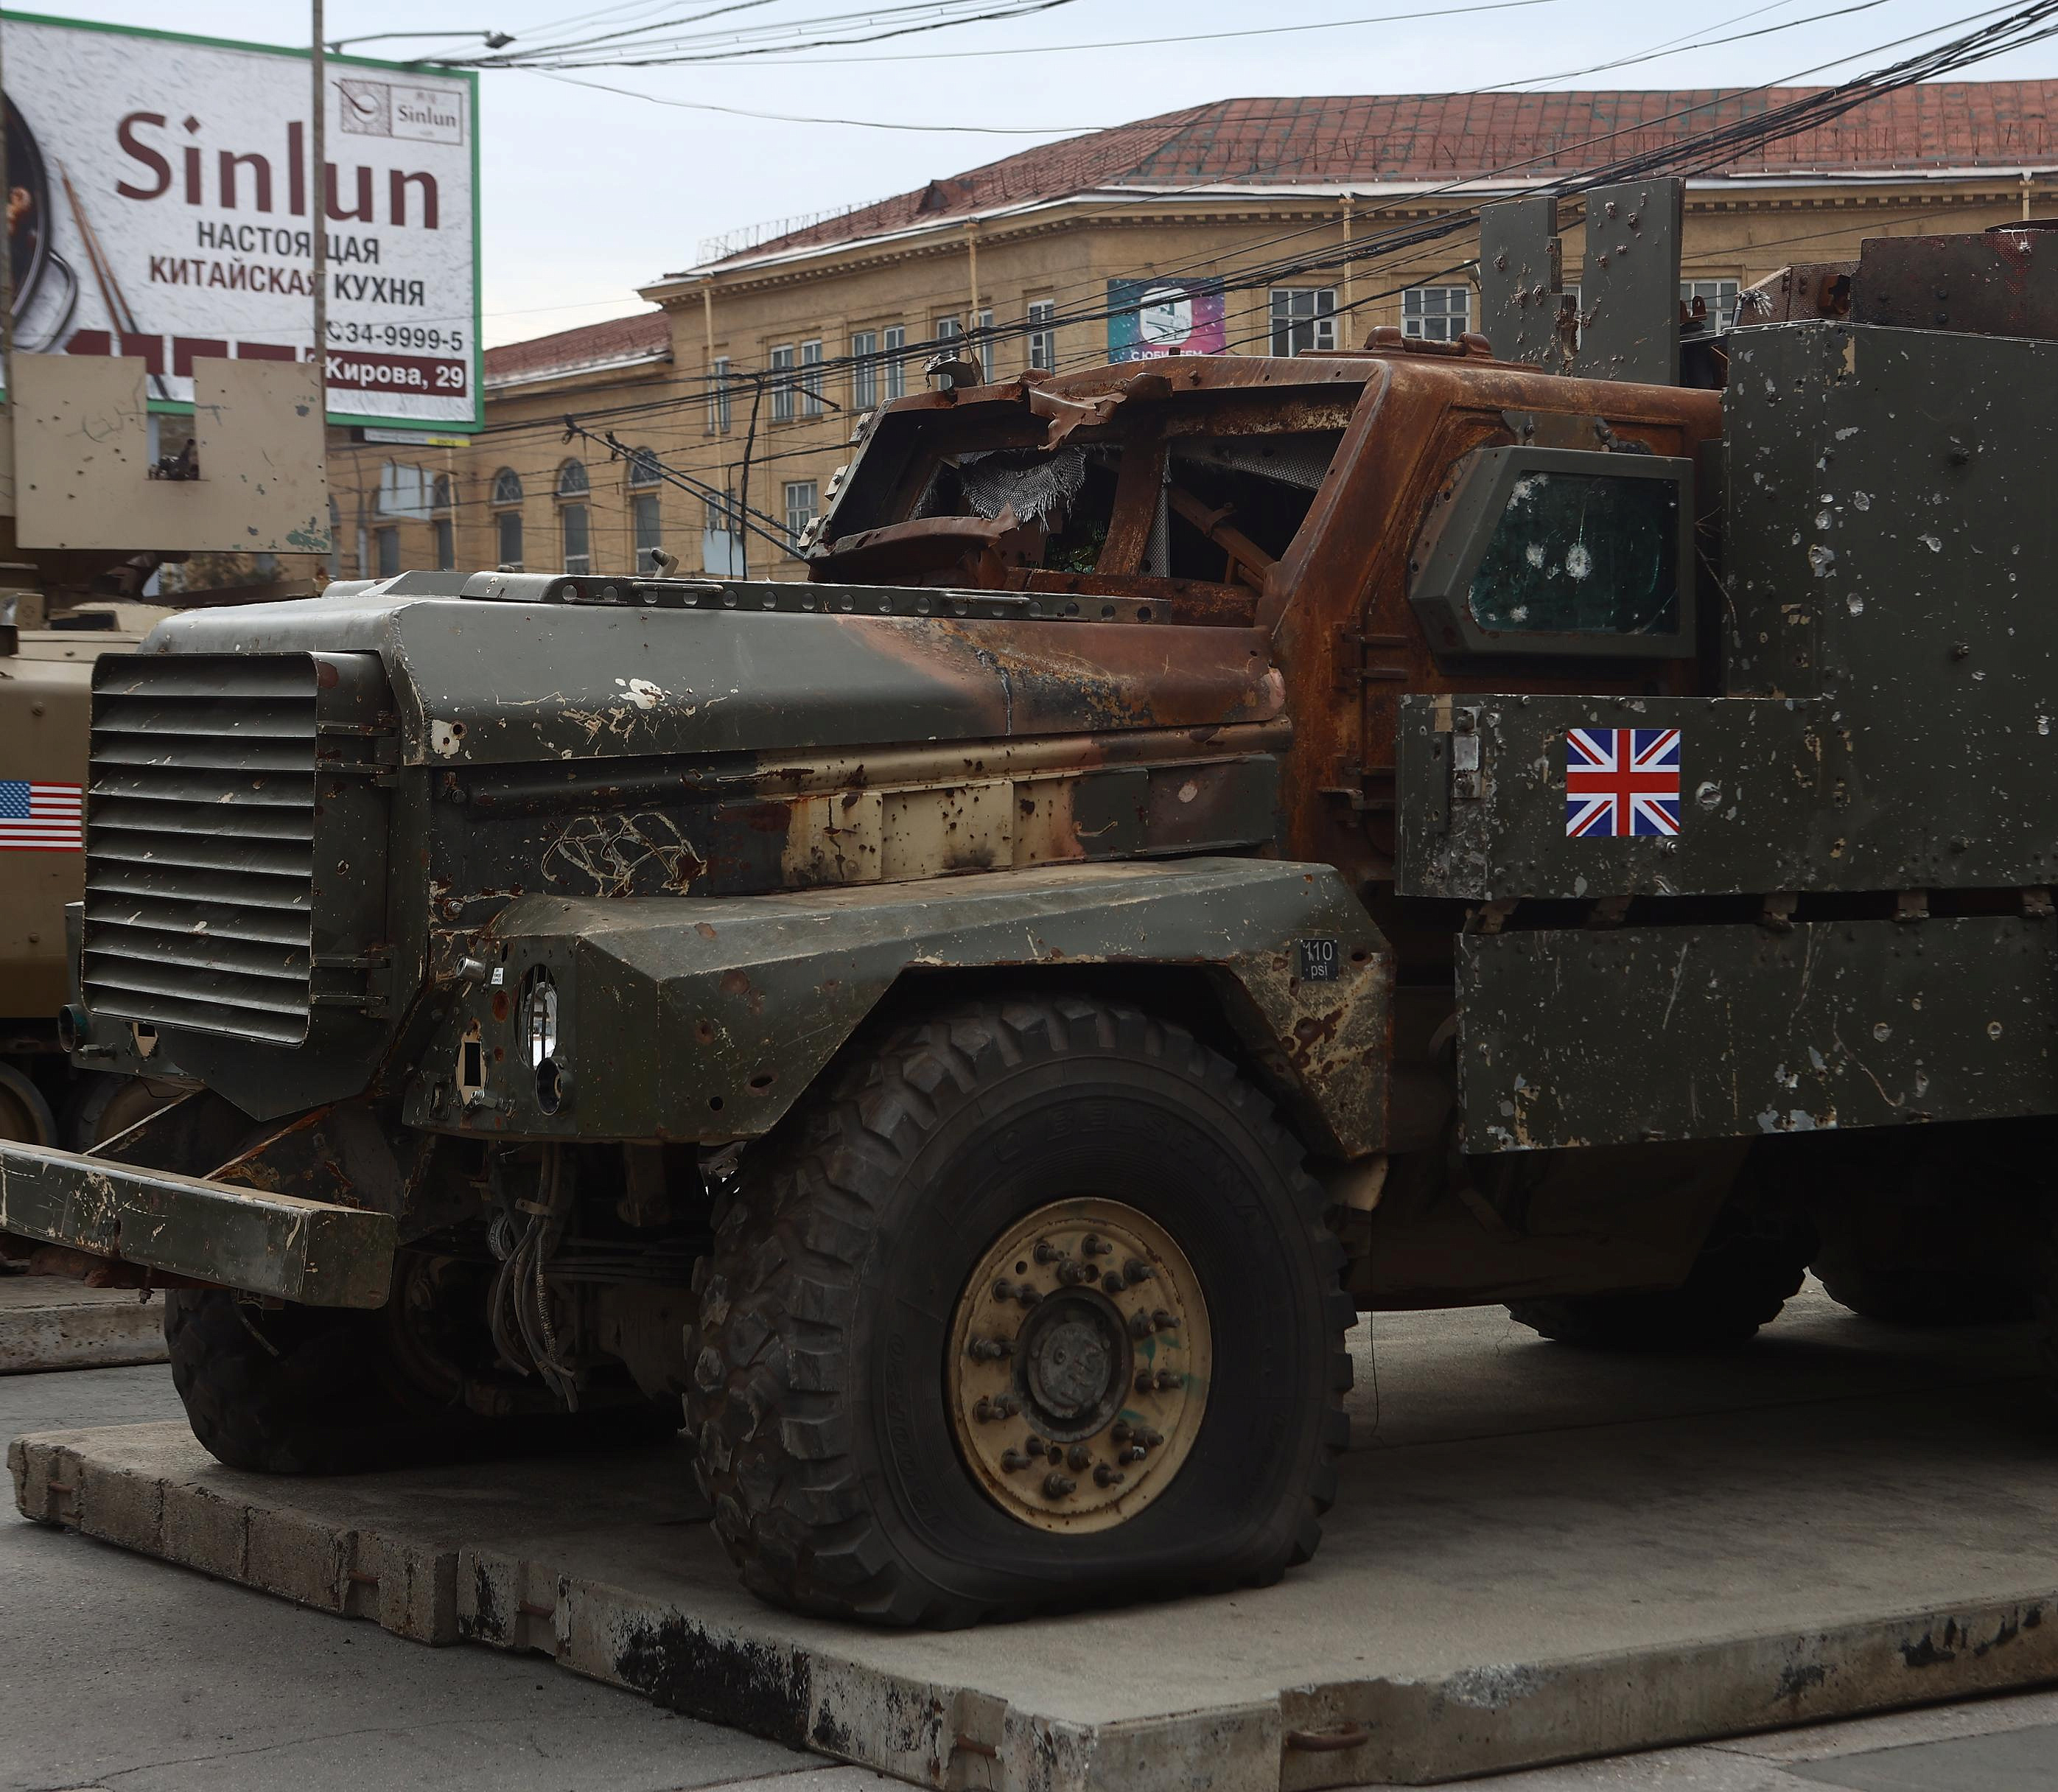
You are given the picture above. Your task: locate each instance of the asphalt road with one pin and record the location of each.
(118, 1671)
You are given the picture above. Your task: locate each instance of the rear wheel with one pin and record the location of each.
(25, 1114)
(1751, 1265)
(290, 1389)
(1034, 1306)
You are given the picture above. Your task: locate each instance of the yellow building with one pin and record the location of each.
(1229, 228)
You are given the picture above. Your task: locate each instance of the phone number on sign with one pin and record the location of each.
(399, 373)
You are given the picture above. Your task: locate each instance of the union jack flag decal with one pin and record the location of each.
(1622, 781)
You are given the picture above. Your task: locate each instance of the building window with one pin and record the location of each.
(443, 493)
(893, 380)
(802, 508)
(571, 480)
(645, 469)
(864, 370)
(1043, 336)
(507, 527)
(577, 538)
(643, 521)
(782, 384)
(1719, 295)
(507, 486)
(718, 396)
(813, 402)
(721, 542)
(446, 545)
(404, 490)
(387, 542)
(1303, 318)
(1436, 313)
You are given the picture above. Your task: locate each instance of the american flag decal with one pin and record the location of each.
(1622, 781)
(40, 817)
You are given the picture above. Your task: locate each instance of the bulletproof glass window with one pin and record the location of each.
(1559, 551)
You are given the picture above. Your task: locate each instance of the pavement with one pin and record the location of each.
(49, 1322)
(117, 1670)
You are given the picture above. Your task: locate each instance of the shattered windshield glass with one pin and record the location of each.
(1582, 554)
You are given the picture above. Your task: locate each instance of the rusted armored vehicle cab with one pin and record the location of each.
(1212, 847)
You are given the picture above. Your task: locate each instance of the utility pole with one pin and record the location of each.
(7, 245)
(318, 137)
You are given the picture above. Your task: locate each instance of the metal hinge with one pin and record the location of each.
(371, 997)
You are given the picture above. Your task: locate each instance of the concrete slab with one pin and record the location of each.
(1539, 1555)
(50, 1322)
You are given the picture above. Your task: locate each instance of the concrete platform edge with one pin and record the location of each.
(761, 1678)
(77, 1335)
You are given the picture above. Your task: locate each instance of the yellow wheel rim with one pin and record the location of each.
(1080, 1356)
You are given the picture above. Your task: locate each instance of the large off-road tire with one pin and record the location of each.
(317, 1390)
(2045, 1302)
(1750, 1265)
(864, 1435)
(1939, 1298)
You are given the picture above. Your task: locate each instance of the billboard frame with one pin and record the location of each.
(182, 408)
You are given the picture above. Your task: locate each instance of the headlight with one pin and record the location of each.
(539, 1016)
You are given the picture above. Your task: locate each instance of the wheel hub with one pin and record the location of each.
(1080, 1357)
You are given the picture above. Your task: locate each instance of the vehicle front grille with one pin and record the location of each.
(200, 844)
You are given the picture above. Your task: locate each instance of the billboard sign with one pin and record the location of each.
(161, 203)
(1148, 318)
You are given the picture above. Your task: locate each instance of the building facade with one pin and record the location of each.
(1237, 228)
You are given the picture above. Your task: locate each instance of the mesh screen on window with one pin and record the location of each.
(1583, 553)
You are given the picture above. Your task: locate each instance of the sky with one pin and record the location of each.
(588, 194)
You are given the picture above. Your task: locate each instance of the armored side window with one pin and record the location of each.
(1551, 551)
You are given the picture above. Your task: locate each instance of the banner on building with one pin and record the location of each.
(1148, 318)
(160, 206)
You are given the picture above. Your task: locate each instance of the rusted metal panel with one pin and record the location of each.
(2002, 282)
(272, 1244)
(707, 1020)
(1738, 1032)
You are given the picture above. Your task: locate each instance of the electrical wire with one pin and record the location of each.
(859, 123)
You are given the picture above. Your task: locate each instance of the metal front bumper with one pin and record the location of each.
(313, 1252)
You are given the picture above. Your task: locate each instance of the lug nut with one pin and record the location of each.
(1132, 1454)
(1046, 1252)
(1168, 1380)
(1014, 1461)
(1140, 1325)
(1163, 1321)
(1056, 1487)
(1144, 1381)
(1148, 1438)
(1077, 1458)
(990, 1350)
(1033, 1444)
(1094, 1246)
(1028, 1296)
(1136, 1271)
(1119, 1431)
(1112, 1284)
(1004, 1289)
(1106, 1476)
(987, 1411)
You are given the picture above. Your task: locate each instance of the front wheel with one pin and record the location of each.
(1033, 1306)
(285, 1389)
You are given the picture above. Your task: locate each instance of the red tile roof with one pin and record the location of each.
(1404, 138)
(619, 338)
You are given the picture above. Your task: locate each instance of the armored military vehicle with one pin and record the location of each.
(1212, 847)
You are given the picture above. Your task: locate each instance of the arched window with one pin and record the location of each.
(442, 494)
(507, 486)
(571, 480)
(644, 471)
